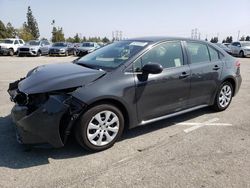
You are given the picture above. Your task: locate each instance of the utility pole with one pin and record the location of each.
(238, 36)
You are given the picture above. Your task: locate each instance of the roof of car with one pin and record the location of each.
(160, 38)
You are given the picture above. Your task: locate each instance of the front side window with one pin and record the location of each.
(16, 42)
(198, 52)
(168, 54)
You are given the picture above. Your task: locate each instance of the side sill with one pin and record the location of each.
(173, 114)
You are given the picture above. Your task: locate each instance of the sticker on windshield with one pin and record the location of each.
(138, 44)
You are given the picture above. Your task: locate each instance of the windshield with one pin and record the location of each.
(87, 44)
(61, 44)
(245, 44)
(112, 55)
(34, 43)
(7, 41)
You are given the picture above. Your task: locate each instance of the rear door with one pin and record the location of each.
(206, 68)
(167, 92)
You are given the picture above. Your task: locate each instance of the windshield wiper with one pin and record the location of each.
(88, 66)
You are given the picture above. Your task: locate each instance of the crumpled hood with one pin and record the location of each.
(54, 77)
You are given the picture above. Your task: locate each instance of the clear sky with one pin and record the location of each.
(133, 17)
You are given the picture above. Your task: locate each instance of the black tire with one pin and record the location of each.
(217, 106)
(242, 54)
(11, 52)
(81, 129)
(38, 53)
(66, 53)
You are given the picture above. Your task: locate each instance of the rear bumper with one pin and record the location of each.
(41, 125)
(238, 84)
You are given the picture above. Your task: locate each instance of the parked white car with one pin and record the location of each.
(86, 47)
(241, 48)
(9, 46)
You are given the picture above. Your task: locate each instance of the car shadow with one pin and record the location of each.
(16, 156)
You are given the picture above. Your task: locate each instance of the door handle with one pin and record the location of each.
(183, 75)
(216, 67)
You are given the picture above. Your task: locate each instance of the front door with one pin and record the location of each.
(160, 94)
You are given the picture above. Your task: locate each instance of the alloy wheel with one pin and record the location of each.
(103, 128)
(225, 96)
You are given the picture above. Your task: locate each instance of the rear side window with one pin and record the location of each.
(198, 52)
(167, 54)
(214, 55)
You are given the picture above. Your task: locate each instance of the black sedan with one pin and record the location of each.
(62, 48)
(125, 84)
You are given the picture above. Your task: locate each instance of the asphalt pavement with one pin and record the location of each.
(198, 149)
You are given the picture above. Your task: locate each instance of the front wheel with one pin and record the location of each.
(100, 127)
(223, 97)
(39, 53)
(242, 54)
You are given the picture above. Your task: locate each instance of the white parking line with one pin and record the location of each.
(6, 81)
(206, 123)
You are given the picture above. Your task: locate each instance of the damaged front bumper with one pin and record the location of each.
(42, 125)
(49, 122)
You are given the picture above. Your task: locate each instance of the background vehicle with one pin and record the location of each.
(124, 84)
(34, 48)
(86, 47)
(226, 44)
(240, 48)
(10, 46)
(224, 47)
(62, 48)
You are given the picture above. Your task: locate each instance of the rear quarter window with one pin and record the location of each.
(214, 54)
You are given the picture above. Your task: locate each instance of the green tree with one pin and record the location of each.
(3, 31)
(214, 40)
(57, 34)
(77, 38)
(24, 33)
(105, 40)
(84, 39)
(11, 31)
(247, 38)
(32, 25)
(242, 38)
(229, 39)
(70, 39)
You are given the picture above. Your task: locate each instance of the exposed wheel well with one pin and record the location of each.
(232, 82)
(117, 104)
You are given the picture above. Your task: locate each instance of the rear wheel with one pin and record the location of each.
(223, 97)
(11, 52)
(100, 127)
(242, 54)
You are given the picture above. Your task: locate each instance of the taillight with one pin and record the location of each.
(237, 64)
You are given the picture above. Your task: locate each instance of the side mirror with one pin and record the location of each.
(152, 68)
